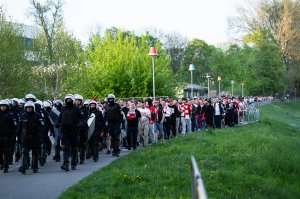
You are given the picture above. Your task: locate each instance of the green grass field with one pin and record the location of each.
(260, 160)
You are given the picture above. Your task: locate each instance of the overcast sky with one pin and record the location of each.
(202, 19)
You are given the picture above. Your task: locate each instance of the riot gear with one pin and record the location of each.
(30, 97)
(111, 98)
(69, 100)
(29, 104)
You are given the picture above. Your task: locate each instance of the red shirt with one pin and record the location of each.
(186, 110)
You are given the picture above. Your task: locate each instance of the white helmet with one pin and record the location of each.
(21, 101)
(9, 101)
(78, 97)
(46, 104)
(30, 96)
(93, 102)
(29, 104)
(70, 96)
(50, 102)
(111, 98)
(57, 102)
(4, 102)
(86, 102)
(39, 102)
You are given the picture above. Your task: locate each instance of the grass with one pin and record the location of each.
(255, 161)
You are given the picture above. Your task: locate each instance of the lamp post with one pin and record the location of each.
(153, 53)
(207, 76)
(192, 68)
(242, 84)
(219, 80)
(232, 82)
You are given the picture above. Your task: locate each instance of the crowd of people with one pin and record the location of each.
(82, 128)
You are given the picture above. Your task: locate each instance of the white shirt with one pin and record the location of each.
(144, 113)
(217, 109)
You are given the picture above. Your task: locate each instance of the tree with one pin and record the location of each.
(13, 68)
(49, 18)
(197, 52)
(267, 76)
(123, 67)
(174, 44)
(279, 20)
(57, 52)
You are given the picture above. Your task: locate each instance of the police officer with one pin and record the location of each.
(16, 147)
(69, 120)
(7, 134)
(83, 129)
(54, 113)
(95, 129)
(45, 140)
(113, 118)
(30, 126)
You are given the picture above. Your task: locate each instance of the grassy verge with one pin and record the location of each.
(256, 161)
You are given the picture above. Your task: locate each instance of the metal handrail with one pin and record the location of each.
(198, 189)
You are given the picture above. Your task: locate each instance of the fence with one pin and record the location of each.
(251, 113)
(198, 189)
(247, 116)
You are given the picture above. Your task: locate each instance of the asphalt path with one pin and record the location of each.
(50, 181)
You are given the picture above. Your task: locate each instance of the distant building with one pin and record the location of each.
(29, 34)
(186, 90)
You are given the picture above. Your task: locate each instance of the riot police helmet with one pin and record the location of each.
(30, 97)
(29, 104)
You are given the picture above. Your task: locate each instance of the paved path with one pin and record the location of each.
(50, 181)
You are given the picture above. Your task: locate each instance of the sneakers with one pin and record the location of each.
(108, 152)
(65, 167)
(5, 170)
(73, 167)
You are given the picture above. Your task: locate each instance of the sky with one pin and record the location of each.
(202, 19)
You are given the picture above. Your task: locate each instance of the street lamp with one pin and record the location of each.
(242, 84)
(219, 80)
(232, 82)
(153, 53)
(192, 68)
(207, 76)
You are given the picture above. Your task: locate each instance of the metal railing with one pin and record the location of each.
(249, 115)
(198, 189)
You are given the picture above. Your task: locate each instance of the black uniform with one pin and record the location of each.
(69, 120)
(83, 134)
(7, 137)
(45, 140)
(30, 127)
(113, 118)
(53, 114)
(95, 137)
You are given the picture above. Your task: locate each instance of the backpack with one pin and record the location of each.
(69, 117)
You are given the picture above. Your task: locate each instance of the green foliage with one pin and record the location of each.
(256, 161)
(197, 52)
(13, 67)
(54, 78)
(268, 70)
(121, 65)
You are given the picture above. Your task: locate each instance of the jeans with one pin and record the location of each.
(186, 125)
(151, 136)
